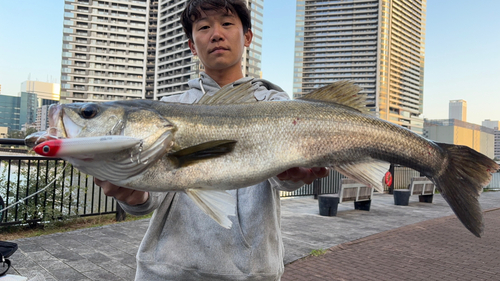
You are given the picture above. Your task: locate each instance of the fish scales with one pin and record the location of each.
(306, 134)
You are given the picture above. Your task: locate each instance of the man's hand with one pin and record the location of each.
(130, 196)
(303, 174)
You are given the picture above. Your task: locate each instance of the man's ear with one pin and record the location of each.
(248, 37)
(191, 46)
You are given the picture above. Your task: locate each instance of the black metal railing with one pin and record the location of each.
(69, 193)
(327, 185)
(331, 184)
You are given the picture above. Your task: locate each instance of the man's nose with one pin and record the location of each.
(217, 34)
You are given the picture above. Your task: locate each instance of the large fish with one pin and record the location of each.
(229, 141)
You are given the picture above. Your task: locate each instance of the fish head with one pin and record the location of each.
(128, 118)
(77, 120)
(132, 118)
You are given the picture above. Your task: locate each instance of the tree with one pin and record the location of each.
(30, 131)
(16, 134)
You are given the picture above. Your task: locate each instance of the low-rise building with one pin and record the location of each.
(495, 125)
(453, 131)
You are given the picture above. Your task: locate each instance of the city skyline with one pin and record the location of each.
(461, 60)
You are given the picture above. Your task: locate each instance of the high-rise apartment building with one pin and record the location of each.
(377, 44)
(458, 110)
(104, 50)
(128, 49)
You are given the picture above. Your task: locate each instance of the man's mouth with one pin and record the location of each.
(218, 49)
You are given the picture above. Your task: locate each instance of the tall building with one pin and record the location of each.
(16, 112)
(377, 44)
(495, 125)
(9, 112)
(104, 50)
(454, 131)
(132, 49)
(47, 93)
(458, 110)
(44, 94)
(42, 118)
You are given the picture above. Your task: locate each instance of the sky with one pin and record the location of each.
(462, 51)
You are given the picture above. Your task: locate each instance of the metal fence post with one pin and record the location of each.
(120, 213)
(316, 188)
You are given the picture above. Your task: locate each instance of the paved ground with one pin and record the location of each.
(415, 242)
(438, 249)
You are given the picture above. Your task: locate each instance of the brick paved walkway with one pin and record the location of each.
(389, 242)
(438, 249)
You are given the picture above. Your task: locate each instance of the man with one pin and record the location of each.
(182, 243)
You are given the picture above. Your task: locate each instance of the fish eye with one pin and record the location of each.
(89, 110)
(46, 149)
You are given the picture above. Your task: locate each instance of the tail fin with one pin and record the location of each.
(462, 180)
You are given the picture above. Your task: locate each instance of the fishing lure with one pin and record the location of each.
(89, 145)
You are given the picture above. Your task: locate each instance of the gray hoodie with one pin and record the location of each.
(183, 243)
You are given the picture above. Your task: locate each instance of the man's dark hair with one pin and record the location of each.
(193, 9)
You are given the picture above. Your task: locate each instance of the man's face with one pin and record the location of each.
(219, 41)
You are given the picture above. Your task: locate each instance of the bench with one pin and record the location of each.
(350, 190)
(421, 186)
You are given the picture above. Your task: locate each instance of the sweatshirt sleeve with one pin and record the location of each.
(154, 200)
(284, 185)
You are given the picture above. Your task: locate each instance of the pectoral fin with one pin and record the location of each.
(203, 151)
(370, 172)
(218, 204)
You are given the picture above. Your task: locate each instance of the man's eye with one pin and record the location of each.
(203, 27)
(227, 23)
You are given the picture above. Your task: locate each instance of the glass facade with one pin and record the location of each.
(18, 111)
(10, 110)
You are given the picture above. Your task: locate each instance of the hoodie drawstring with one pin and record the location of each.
(201, 86)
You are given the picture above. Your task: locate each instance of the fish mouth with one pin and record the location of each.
(60, 127)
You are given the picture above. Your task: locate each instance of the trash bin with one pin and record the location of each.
(328, 204)
(401, 197)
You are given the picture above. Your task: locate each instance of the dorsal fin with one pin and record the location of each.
(342, 92)
(229, 94)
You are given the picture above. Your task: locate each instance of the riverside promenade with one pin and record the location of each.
(417, 242)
